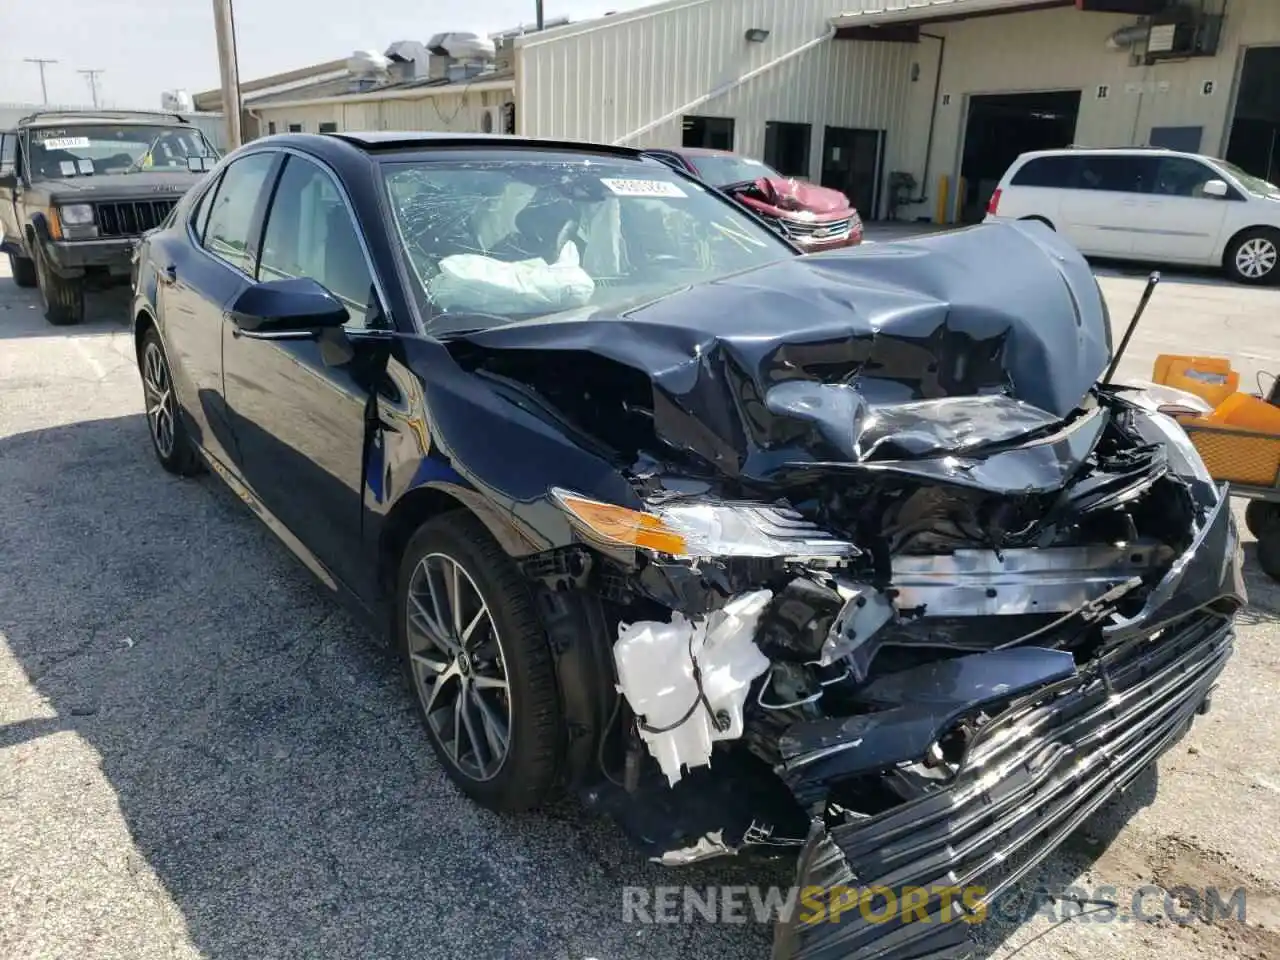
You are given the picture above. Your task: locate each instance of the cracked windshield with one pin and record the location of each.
(490, 243)
(114, 148)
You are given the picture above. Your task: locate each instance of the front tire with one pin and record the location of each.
(477, 659)
(169, 438)
(1253, 257)
(23, 270)
(63, 298)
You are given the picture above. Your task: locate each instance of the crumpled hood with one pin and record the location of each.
(779, 196)
(827, 357)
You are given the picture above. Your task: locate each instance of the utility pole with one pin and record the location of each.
(41, 62)
(538, 17)
(224, 25)
(92, 77)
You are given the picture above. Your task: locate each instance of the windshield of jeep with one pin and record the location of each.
(83, 149)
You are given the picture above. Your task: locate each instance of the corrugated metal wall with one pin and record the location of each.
(1065, 49)
(605, 79)
(443, 113)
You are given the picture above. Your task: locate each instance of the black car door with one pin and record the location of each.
(298, 405)
(201, 268)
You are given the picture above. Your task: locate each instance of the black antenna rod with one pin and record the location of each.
(1152, 282)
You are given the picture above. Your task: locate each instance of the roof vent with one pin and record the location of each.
(409, 59)
(461, 46)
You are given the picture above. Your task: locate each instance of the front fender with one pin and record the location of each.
(448, 431)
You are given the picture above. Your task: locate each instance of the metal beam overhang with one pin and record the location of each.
(866, 26)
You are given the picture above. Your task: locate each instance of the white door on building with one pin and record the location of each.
(1101, 216)
(1178, 221)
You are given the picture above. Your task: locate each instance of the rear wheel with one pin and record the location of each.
(477, 658)
(1253, 256)
(63, 298)
(1269, 552)
(169, 437)
(23, 270)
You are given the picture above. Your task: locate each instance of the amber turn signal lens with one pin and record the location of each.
(620, 525)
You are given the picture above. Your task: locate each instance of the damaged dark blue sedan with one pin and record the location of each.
(847, 556)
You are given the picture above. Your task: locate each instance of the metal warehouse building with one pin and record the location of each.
(856, 94)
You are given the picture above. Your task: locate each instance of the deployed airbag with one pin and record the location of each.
(474, 282)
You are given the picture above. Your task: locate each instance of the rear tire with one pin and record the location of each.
(23, 270)
(169, 438)
(63, 298)
(497, 665)
(1254, 256)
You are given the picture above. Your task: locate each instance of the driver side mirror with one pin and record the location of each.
(1217, 189)
(298, 308)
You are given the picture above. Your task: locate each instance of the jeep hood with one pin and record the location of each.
(863, 358)
(147, 183)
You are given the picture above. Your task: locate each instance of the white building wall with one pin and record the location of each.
(1065, 49)
(443, 113)
(604, 79)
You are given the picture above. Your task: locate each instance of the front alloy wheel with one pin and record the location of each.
(476, 655)
(458, 668)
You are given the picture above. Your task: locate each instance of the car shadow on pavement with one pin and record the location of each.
(21, 313)
(266, 758)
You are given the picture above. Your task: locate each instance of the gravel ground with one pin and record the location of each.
(201, 755)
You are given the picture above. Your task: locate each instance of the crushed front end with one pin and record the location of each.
(905, 597)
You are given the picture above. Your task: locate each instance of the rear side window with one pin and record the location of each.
(1061, 172)
(1117, 174)
(231, 214)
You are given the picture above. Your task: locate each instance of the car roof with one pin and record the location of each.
(388, 140)
(1111, 152)
(65, 118)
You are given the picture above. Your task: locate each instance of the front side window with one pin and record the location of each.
(310, 233)
(231, 213)
(1181, 177)
(84, 149)
(491, 242)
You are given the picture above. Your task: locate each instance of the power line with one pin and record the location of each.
(92, 77)
(41, 62)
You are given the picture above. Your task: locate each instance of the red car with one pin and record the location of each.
(812, 217)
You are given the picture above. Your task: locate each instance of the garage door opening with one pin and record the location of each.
(1255, 129)
(999, 127)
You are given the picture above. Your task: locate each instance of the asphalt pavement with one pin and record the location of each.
(201, 755)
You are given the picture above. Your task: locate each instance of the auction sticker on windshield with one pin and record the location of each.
(643, 188)
(65, 143)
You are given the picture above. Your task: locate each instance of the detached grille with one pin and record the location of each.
(1031, 776)
(130, 218)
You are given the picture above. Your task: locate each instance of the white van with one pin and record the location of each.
(1149, 204)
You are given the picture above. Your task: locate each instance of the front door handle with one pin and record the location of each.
(169, 273)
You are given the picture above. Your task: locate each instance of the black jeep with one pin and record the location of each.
(77, 189)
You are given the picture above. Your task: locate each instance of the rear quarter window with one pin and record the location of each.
(1060, 172)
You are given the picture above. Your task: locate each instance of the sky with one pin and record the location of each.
(144, 47)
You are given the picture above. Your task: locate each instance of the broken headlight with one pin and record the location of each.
(695, 529)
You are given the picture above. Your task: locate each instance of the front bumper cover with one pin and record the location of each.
(70, 258)
(1029, 777)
